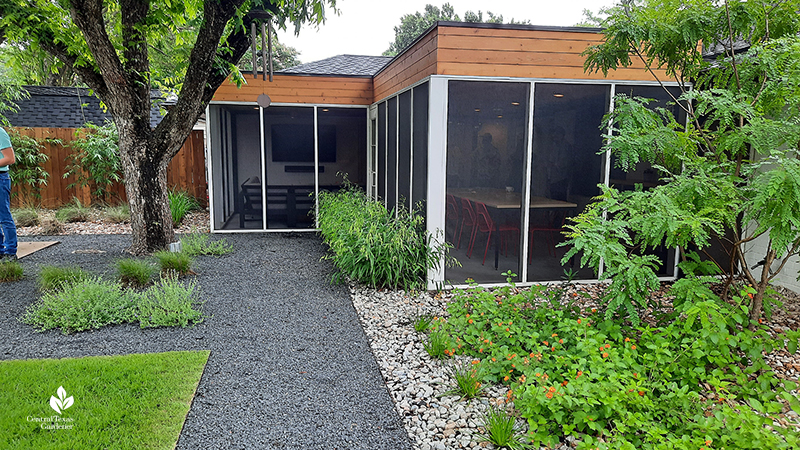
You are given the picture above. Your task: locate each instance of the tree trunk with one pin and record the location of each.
(146, 187)
(757, 305)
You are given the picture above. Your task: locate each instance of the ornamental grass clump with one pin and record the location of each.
(180, 204)
(468, 379)
(200, 244)
(500, 429)
(26, 217)
(10, 271)
(55, 277)
(75, 212)
(81, 305)
(174, 263)
(135, 272)
(374, 246)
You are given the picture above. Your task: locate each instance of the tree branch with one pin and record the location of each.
(133, 15)
(731, 38)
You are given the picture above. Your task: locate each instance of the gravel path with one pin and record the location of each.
(290, 365)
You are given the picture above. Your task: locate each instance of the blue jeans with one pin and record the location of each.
(8, 231)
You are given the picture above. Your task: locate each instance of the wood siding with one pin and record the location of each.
(492, 52)
(186, 171)
(300, 89)
(415, 64)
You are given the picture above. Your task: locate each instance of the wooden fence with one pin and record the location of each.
(186, 171)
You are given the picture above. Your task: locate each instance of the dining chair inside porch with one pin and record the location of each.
(553, 226)
(468, 218)
(451, 217)
(485, 224)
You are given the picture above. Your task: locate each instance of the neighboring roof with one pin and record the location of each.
(66, 107)
(341, 65)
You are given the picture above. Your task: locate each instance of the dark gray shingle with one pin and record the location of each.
(342, 65)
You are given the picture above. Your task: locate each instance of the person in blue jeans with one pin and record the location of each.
(8, 230)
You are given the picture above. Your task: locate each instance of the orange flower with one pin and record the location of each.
(641, 392)
(607, 346)
(564, 383)
(553, 349)
(508, 329)
(750, 295)
(493, 360)
(554, 335)
(532, 355)
(476, 362)
(635, 374)
(509, 394)
(708, 442)
(549, 395)
(505, 378)
(594, 310)
(552, 389)
(510, 322)
(469, 321)
(481, 350)
(605, 355)
(574, 294)
(579, 321)
(633, 347)
(545, 343)
(538, 374)
(579, 373)
(467, 316)
(560, 341)
(627, 339)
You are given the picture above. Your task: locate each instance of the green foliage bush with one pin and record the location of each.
(10, 271)
(95, 161)
(74, 212)
(169, 303)
(199, 244)
(180, 204)
(177, 263)
(370, 245)
(81, 305)
(28, 174)
(55, 277)
(135, 272)
(699, 377)
(26, 217)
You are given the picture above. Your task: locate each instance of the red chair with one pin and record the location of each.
(467, 218)
(558, 218)
(487, 225)
(451, 216)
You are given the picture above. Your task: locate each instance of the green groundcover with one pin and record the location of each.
(99, 402)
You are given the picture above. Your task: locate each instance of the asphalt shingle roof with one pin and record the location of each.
(65, 107)
(342, 65)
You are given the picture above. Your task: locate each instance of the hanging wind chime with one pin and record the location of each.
(264, 19)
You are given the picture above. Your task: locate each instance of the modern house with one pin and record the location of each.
(494, 130)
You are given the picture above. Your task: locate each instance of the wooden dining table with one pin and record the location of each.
(502, 199)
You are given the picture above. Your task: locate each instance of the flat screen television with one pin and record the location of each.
(294, 143)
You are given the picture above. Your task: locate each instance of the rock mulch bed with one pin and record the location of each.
(194, 221)
(418, 383)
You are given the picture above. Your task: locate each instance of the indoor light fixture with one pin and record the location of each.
(558, 95)
(477, 110)
(515, 103)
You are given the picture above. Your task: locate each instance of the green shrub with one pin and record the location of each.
(135, 272)
(29, 175)
(95, 161)
(26, 217)
(169, 303)
(54, 277)
(177, 263)
(10, 271)
(198, 244)
(74, 212)
(82, 305)
(180, 204)
(370, 245)
(117, 214)
(700, 376)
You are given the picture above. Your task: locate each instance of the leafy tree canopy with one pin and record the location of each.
(732, 170)
(413, 25)
(120, 49)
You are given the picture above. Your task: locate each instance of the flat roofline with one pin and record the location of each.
(495, 26)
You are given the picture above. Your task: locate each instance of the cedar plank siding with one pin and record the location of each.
(326, 90)
(524, 53)
(413, 65)
(186, 171)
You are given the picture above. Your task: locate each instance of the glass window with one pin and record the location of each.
(644, 173)
(565, 170)
(404, 151)
(391, 155)
(289, 176)
(382, 137)
(236, 168)
(486, 147)
(419, 188)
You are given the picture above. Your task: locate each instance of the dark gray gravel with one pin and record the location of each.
(290, 366)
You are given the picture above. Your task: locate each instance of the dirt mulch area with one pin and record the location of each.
(196, 221)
